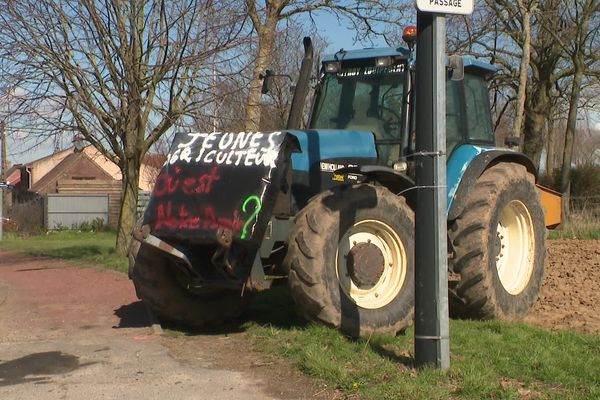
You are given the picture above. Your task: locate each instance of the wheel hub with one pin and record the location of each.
(365, 264)
(499, 242)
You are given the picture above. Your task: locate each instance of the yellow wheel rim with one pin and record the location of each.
(393, 272)
(515, 247)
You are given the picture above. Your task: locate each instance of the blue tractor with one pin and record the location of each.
(330, 207)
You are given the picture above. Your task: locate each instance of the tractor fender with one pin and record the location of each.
(395, 181)
(475, 168)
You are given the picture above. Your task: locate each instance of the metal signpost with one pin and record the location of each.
(1, 208)
(3, 186)
(431, 266)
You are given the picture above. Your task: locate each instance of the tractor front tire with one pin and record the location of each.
(351, 260)
(499, 240)
(157, 286)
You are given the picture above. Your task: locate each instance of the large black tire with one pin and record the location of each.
(157, 286)
(499, 241)
(371, 289)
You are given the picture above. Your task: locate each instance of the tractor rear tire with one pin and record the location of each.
(351, 260)
(157, 286)
(499, 240)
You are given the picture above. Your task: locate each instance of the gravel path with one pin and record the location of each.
(80, 333)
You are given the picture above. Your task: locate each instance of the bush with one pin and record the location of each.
(28, 218)
(97, 225)
(585, 181)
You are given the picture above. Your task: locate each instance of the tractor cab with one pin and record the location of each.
(365, 90)
(371, 90)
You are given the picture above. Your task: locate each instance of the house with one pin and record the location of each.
(86, 172)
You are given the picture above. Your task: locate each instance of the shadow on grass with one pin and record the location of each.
(386, 352)
(275, 308)
(71, 252)
(272, 308)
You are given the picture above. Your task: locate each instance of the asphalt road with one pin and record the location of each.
(80, 333)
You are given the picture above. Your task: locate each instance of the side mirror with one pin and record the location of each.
(267, 78)
(457, 67)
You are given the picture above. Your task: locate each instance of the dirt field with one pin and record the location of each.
(570, 297)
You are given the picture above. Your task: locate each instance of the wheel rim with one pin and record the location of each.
(383, 287)
(514, 247)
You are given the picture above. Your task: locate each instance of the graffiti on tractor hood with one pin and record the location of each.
(219, 181)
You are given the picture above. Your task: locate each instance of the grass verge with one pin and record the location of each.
(491, 359)
(573, 232)
(88, 247)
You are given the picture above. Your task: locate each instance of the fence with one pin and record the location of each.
(589, 205)
(111, 188)
(68, 210)
(584, 213)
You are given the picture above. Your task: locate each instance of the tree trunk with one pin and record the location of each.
(535, 121)
(524, 69)
(266, 44)
(565, 178)
(3, 169)
(133, 142)
(537, 109)
(128, 214)
(550, 148)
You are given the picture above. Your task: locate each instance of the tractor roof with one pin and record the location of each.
(475, 63)
(470, 63)
(367, 53)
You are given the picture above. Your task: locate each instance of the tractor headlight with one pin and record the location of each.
(383, 61)
(400, 166)
(333, 66)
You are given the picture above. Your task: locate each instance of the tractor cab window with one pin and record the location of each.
(454, 116)
(364, 99)
(479, 122)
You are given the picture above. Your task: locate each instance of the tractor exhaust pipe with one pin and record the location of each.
(297, 107)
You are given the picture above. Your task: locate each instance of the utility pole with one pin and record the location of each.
(3, 155)
(431, 267)
(2, 173)
(432, 332)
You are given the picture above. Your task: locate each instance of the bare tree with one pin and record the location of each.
(586, 146)
(526, 9)
(580, 13)
(118, 73)
(286, 62)
(266, 16)
(497, 31)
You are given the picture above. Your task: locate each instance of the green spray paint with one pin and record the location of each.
(257, 206)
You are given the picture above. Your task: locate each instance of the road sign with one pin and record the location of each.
(463, 7)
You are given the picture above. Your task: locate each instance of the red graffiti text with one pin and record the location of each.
(200, 184)
(169, 216)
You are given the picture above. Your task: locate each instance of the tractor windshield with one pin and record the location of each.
(365, 99)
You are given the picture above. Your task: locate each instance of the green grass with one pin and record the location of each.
(582, 225)
(489, 360)
(87, 247)
(575, 233)
(492, 359)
